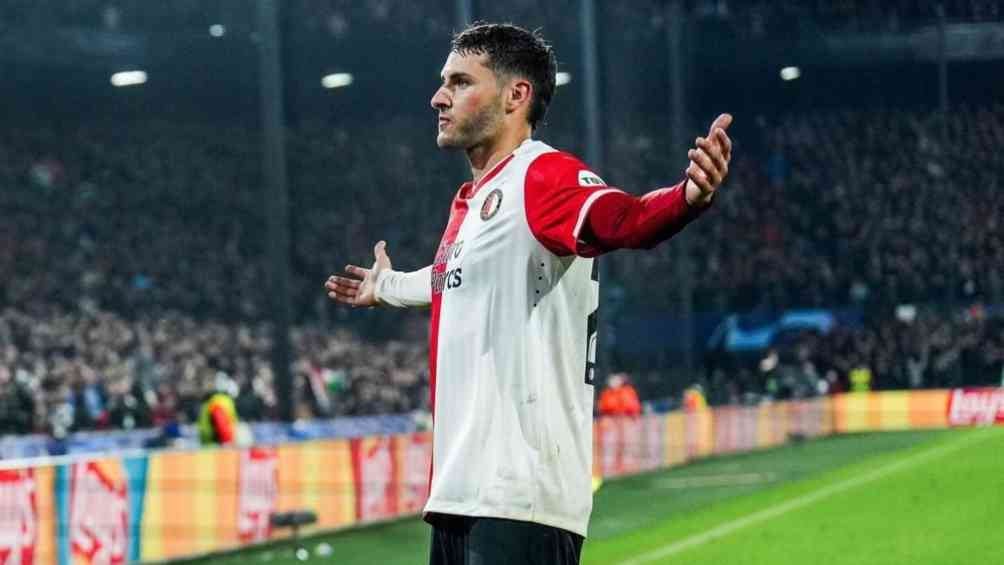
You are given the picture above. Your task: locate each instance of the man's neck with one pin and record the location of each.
(483, 157)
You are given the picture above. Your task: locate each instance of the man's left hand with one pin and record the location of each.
(709, 162)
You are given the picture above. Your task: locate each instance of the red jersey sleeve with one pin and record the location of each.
(559, 190)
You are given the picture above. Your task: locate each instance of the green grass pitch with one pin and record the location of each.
(932, 497)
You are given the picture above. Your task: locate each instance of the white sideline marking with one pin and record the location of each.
(799, 502)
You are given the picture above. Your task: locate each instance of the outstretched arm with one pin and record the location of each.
(571, 211)
(405, 290)
(618, 220)
(380, 285)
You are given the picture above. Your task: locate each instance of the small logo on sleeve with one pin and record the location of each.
(589, 178)
(492, 203)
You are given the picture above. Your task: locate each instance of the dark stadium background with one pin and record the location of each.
(164, 240)
(134, 221)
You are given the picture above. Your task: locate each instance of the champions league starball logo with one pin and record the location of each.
(492, 203)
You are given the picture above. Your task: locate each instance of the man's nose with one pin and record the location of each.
(440, 100)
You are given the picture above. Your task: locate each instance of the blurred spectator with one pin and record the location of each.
(127, 406)
(619, 398)
(693, 399)
(16, 405)
(218, 418)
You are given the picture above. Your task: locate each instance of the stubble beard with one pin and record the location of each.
(475, 130)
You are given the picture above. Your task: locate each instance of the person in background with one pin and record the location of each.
(250, 405)
(127, 407)
(861, 378)
(619, 398)
(89, 397)
(694, 399)
(218, 421)
(16, 405)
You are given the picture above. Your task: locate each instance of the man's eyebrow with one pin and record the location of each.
(454, 75)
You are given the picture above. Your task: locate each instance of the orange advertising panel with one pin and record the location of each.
(927, 409)
(675, 439)
(891, 410)
(191, 503)
(317, 476)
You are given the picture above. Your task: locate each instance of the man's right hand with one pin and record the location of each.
(359, 291)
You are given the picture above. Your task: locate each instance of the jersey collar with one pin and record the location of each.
(469, 189)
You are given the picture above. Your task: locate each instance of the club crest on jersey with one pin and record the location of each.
(589, 178)
(492, 203)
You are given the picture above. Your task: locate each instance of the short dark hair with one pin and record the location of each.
(513, 50)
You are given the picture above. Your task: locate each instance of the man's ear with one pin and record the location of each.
(518, 95)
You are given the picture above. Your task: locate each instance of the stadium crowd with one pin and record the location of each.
(133, 254)
(849, 207)
(66, 370)
(917, 350)
(132, 282)
(866, 208)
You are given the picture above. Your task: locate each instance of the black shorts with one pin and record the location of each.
(463, 540)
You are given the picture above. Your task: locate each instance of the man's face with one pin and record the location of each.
(469, 102)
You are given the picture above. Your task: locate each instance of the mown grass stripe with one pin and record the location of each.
(802, 501)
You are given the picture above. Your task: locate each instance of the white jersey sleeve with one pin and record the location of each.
(405, 290)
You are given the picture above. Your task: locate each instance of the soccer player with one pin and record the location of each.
(513, 294)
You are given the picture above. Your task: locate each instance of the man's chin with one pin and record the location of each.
(447, 142)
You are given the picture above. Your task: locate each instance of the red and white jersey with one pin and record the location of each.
(512, 344)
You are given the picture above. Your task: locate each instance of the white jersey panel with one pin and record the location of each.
(513, 393)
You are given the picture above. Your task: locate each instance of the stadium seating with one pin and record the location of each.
(133, 251)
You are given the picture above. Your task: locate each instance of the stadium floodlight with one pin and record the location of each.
(790, 73)
(217, 30)
(336, 80)
(128, 78)
(562, 78)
